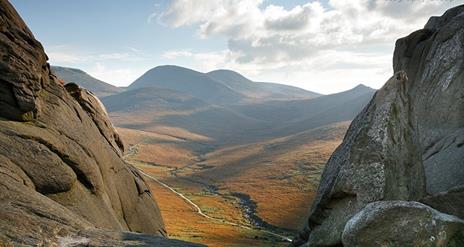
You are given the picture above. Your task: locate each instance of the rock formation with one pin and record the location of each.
(406, 145)
(62, 177)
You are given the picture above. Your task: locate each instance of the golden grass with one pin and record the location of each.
(182, 221)
(166, 154)
(283, 180)
(178, 133)
(280, 175)
(159, 147)
(132, 137)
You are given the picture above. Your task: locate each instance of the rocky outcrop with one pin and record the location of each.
(407, 144)
(62, 176)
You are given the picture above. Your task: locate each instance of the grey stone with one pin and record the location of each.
(402, 223)
(407, 143)
(444, 163)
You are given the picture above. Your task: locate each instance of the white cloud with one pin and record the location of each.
(303, 27)
(67, 54)
(119, 68)
(327, 41)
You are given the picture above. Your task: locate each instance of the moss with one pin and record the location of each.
(28, 116)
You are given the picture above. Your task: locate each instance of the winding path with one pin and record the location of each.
(197, 208)
(201, 213)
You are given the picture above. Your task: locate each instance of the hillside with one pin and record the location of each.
(149, 108)
(293, 116)
(156, 100)
(81, 78)
(284, 171)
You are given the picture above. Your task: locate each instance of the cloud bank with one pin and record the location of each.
(317, 44)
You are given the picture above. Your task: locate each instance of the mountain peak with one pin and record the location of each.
(362, 86)
(228, 76)
(186, 80)
(171, 67)
(226, 72)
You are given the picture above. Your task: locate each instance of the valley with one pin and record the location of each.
(236, 170)
(245, 189)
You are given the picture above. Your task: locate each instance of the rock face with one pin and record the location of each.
(407, 144)
(62, 176)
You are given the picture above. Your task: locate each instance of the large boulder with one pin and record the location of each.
(402, 223)
(407, 143)
(62, 175)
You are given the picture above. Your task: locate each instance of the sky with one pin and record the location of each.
(325, 46)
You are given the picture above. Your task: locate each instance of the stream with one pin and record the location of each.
(247, 205)
(249, 214)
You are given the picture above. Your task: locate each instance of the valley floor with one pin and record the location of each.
(244, 195)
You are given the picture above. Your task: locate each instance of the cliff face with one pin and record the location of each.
(406, 145)
(62, 177)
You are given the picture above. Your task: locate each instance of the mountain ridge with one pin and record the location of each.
(245, 120)
(187, 81)
(255, 89)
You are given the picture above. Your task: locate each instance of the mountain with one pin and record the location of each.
(145, 108)
(156, 100)
(188, 81)
(293, 116)
(299, 109)
(217, 87)
(86, 81)
(150, 108)
(62, 177)
(259, 90)
(271, 152)
(398, 177)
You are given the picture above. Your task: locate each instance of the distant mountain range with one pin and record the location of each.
(219, 87)
(222, 105)
(222, 130)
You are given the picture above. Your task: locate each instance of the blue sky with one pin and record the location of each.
(324, 46)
